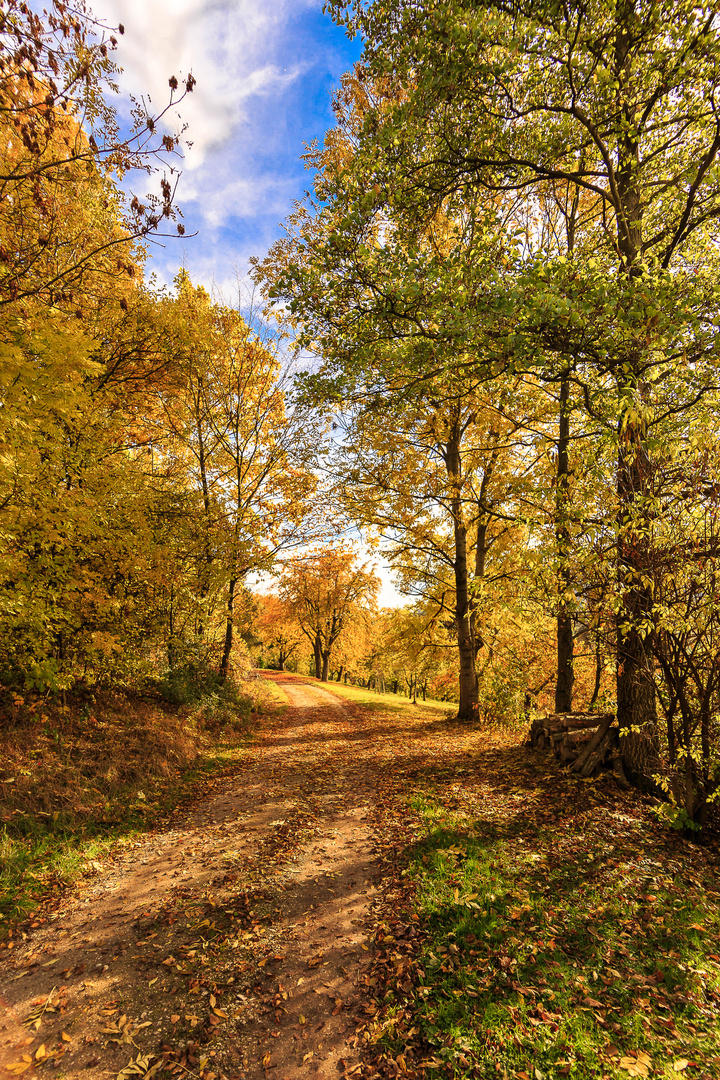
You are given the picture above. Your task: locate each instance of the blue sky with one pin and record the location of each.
(265, 73)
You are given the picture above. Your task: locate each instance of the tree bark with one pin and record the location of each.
(565, 640)
(468, 704)
(318, 657)
(635, 686)
(228, 643)
(635, 689)
(598, 672)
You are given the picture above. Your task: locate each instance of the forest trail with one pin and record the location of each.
(232, 941)
(270, 930)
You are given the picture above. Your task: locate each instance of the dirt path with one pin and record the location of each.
(232, 943)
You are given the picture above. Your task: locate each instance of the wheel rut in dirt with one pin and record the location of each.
(231, 943)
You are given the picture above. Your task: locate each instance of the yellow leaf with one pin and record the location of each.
(301, 1019)
(680, 1064)
(174, 1018)
(66, 1037)
(40, 1052)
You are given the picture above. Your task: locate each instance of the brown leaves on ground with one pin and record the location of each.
(270, 929)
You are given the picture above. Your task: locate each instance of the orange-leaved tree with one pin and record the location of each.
(277, 628)
(61, 137)
(328, 590)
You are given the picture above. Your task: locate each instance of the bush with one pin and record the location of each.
(192, 676)
(228, 708)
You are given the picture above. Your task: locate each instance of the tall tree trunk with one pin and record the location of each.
(598, 673)
(317, 652)
(207, 557)
(228, 643)
(565, 640)
(635, 685)
(325, 665)
(635, 689)
(468, 705)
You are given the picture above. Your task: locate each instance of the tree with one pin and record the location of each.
(615, 100)
(683, 561)
(388, 308)
(440, 480)
(61, 138)
(278, 628)
(82, 546)
(327, 591)
(227, 423)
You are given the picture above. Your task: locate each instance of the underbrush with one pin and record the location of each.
(74, 780)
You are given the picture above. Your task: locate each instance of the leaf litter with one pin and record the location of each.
(377, 894)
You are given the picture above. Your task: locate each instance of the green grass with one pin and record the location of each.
(276, 693)
(549, 954)
(389, 702)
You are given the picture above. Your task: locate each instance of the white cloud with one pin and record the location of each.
(264, 70)
(228, 46)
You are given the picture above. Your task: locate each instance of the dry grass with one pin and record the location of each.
(77, 763)
(74, 780)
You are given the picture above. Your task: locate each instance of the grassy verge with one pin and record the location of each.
(557, 931)
(373, 699)
(546, 960)
(76, 783)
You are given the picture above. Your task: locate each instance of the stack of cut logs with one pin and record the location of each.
(587, 742)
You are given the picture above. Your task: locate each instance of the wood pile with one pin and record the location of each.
(587, 742)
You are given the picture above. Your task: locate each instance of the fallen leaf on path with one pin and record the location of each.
(635, 1066)
(34, 1018)
(138, 1067)
(19, 1067)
